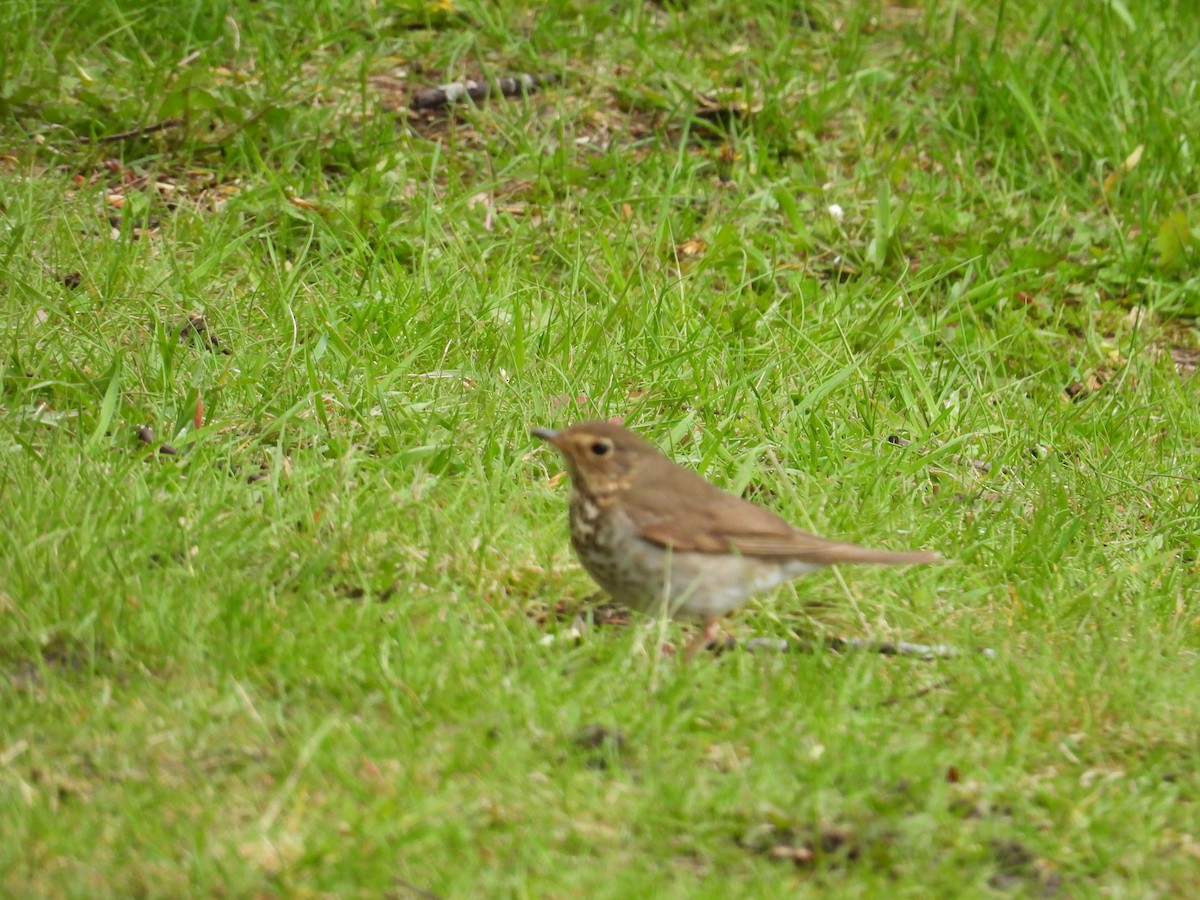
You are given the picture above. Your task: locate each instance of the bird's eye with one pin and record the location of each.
(601, 448)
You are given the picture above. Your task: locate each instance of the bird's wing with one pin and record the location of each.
(682, 511)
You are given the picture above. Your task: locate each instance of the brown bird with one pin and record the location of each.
(657, 536)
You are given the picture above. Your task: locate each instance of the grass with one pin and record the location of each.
(326, 648)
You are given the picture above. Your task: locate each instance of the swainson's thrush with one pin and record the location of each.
(655, 535)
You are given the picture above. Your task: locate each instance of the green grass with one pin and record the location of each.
(325, 648)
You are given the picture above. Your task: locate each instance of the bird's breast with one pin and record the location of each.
(607, 544)
(585, 518)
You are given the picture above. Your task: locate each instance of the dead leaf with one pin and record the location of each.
(197, 329)
(1185, 360)
(272, 856)
(483, 199)
(562, 402)
(1128, 165)
(801, 856)
(1174, 240)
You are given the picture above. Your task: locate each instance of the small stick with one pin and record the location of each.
(135, 132)
(146, 435)
(978, 465)
(509, 86)
(841, 645)
(917, 694)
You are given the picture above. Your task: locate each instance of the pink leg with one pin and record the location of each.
(703, 639)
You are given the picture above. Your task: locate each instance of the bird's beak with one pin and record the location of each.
(549, 435)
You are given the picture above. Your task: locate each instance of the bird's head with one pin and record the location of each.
(600, 456)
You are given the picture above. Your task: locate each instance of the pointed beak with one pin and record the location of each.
(549, 435)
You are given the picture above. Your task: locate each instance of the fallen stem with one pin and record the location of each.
(842, 645)
(979, 465)
(509, 86)
(134, 132)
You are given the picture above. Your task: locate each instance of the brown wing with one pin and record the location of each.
(677, 508)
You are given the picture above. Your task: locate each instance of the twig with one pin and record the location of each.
(416, 891)
(978, 465)
(841, 645)
(217, 140)
(917, 694)
(196, 328)
(146, 435)
(509, 86)
(71, 279)
(307, 752)
(134, 132)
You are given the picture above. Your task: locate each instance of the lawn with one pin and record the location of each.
(287, 605)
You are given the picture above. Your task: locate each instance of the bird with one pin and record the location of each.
(659, 538)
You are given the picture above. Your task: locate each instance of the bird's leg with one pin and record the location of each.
(704, 638)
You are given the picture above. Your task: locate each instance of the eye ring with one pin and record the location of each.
(600, 448)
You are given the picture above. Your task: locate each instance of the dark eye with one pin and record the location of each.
(600, 448)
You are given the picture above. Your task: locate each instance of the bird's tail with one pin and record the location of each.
(890, 557)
